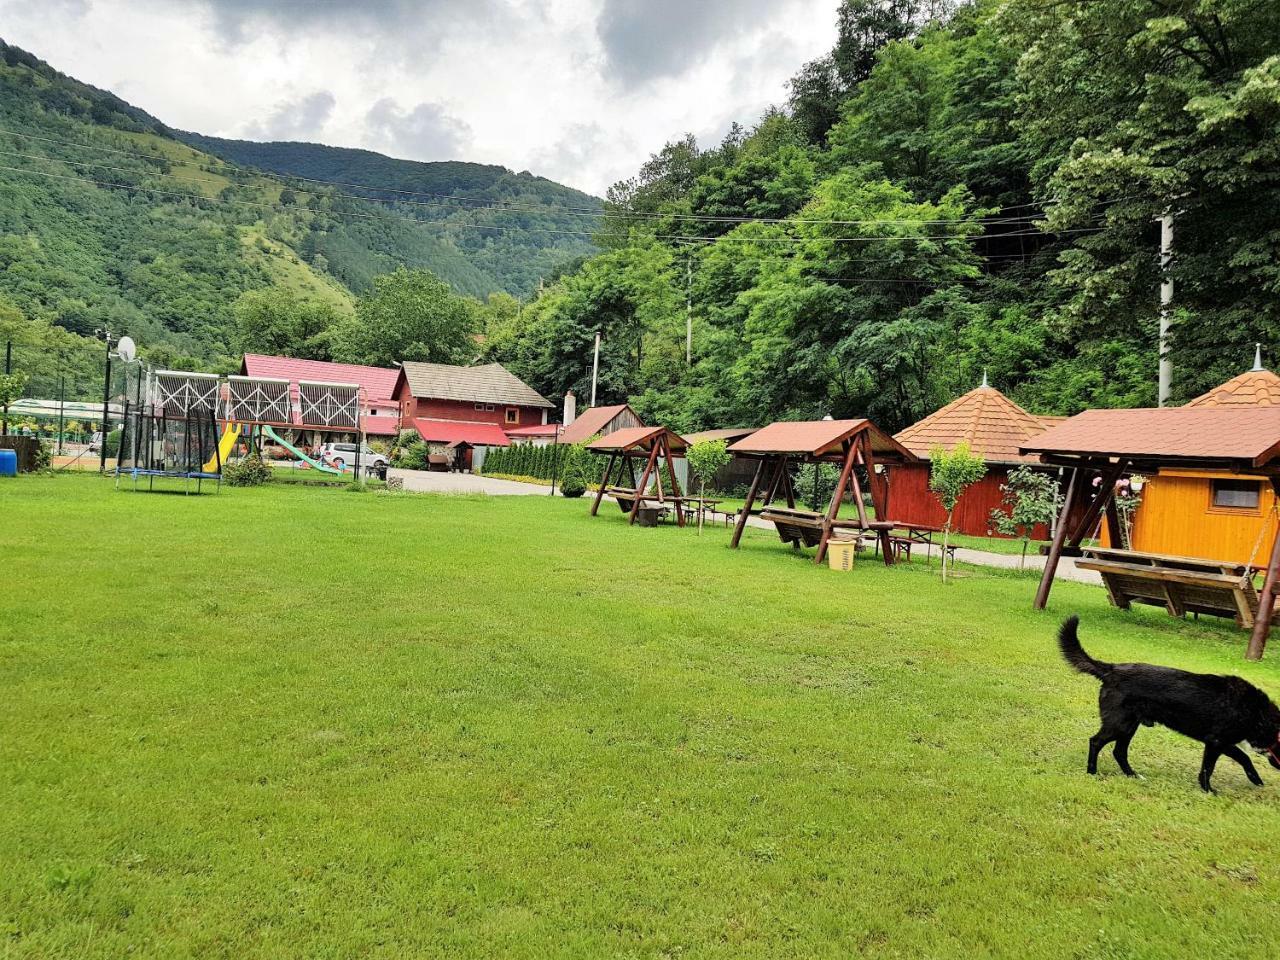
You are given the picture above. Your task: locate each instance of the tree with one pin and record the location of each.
(409, 315)
(1031, 498)
(706, 457)
(950, 474)
(274, 321)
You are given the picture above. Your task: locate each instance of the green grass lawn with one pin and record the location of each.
(306, 722)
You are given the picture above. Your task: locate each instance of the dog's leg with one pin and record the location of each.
(1096, 743)
(1211, 754)
(1242, 758)
(1121, 750)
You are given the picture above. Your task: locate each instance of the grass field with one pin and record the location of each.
(307, 722)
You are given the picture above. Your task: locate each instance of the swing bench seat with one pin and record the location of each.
(804, 527)
(1181, 585)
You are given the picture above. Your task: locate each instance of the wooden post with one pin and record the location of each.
(675, 484)
(1267, 599)
(879, 497)
(834, 507)
(1059, 537)
(786, 485)
(1106, 491)
(1115, 531)
(604, 482)
(746, 507)
(778, 471)
(644, 483)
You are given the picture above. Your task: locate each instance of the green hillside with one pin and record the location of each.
(107, 220)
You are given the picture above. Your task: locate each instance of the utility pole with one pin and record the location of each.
(1166, 307)
(106, 401)
(688, 311)
(595, 369)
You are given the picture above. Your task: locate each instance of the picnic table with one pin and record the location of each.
(700, 505)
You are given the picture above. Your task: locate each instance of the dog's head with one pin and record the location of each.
(1265, 737)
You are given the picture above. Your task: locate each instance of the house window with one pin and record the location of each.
(488, 408)
(1236, 494)
(479, 406)
(513, 415)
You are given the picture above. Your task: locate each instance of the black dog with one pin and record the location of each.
(1218, 711)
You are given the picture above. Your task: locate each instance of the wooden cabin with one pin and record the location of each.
(1212, 514)
(995, 428)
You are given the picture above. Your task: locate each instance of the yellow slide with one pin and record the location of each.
(229, 437)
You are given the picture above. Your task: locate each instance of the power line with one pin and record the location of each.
(566, 209)
(502, 227)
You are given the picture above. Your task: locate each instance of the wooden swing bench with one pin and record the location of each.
(804, 527)
(1181, 585)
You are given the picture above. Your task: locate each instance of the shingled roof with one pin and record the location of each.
(1258, 387)
(489, 383)
(993, 425)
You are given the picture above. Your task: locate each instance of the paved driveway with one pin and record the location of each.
(420, 481)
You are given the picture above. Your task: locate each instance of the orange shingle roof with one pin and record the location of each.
(993, 425)
(1255, 388)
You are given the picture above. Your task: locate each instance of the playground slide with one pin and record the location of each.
(298, 453)
(228, 442)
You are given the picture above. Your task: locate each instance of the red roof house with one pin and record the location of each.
(380, 415)
(600, 420)
(467, 406)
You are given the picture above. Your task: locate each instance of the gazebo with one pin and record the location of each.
(654, 445)
(1107, 444)
(848, 443)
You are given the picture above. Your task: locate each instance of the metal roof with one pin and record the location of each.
(1237, 437)
(593, 420)
(637, 438)
(488, 383)
(993, 425)
(378, 382)
(461, 431)
(819, 439)
(728, 434)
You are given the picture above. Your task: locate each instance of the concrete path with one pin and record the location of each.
(1067, 569)
(421, 481)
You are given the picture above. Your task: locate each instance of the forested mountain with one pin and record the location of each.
(108, 221)
(955, 188)
(505, 230)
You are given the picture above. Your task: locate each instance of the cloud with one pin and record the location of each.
(300, 119)
(570, 158)
(427, 132)
(422, 22)
(663, 38)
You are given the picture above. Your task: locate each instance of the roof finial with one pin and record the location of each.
(985, 382)
(1257, 357)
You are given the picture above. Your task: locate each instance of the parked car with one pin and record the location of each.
(343, 455)
(95, 442)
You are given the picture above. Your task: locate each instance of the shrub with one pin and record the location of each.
(113, 443)
(44, 455)
(815, 484)
(249, 472)
(415, 456)
(573, 485)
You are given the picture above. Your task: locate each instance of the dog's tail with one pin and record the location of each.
(1074, 654)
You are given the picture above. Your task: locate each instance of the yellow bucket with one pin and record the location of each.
(841, 553)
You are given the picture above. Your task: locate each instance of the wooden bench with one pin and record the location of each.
(1181, 585)
(796, 527)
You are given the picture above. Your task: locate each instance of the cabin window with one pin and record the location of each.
(1236, 494)
(479, 406)
(513, 415)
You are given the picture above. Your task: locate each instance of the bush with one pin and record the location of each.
(113, 443)
(415, 456)
(249, 472)
(44, 455)
(828, 476)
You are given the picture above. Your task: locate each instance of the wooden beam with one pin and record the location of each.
(1106, 491)
(1059, 538)
(643, 486)
(1267, 600)
(1115, 531)
(879, 497)
(604, 482)
(665, 440)
(834, 507)
(746, 507)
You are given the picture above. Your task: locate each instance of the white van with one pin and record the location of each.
(343, 455)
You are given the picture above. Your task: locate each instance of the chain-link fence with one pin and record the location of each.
(57, 397)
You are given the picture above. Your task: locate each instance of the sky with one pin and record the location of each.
(580, 91)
